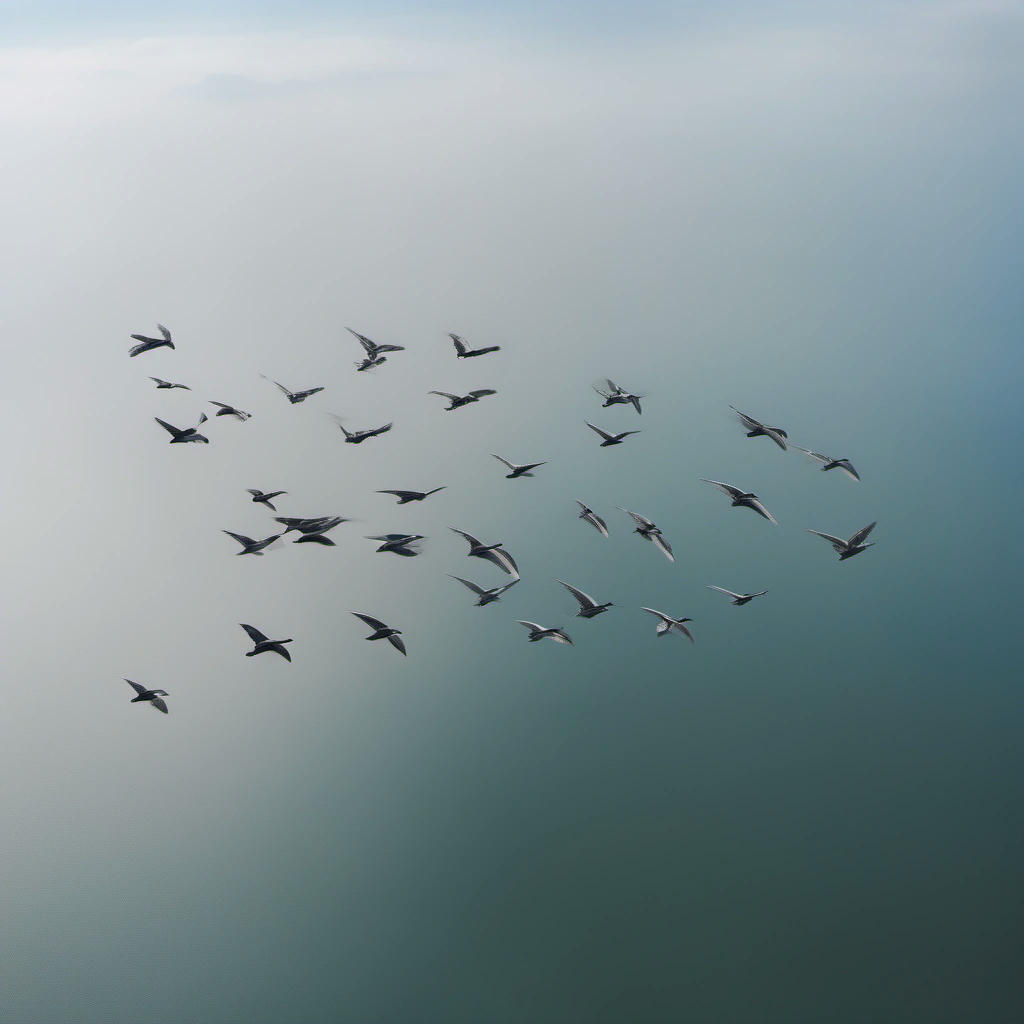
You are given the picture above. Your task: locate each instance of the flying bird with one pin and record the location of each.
(517, 471)
(650, 532)
(459, 400)
(319, 525)
(668, 625)
(539, 632)
(755, 428)
(614, 395)
(264, 644)
(404, 497)
(373, 350)
(738, 599)
(229, 410)
(265, 498)
(293, 396)
(742, 499)
(491, 552)
(848, 548)
(399, 543)
(359, 436)
(485, 596)
(588, 606)
(145, 344)
(610, 439)
(167, 385)
(142, 695)
(844, 465)
(588, 515)
(462, 352)
(184, 435)
(382, 631)
(250, 546)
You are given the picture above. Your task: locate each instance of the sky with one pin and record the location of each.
(808, 211)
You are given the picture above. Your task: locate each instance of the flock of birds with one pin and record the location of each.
(316, 530)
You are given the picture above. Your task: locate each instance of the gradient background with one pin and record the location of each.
(811, 211)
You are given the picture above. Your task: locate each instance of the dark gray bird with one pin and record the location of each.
(485, 596)
(610, 439)
(359, 436)
(517, 471)
(588, 606)
(491, 552)
(399, 543)
(250, 546)
(848, 548)
(459, 400)
(320, 525)
(373, 350)
(539, 632)
(382, 631)
(145, 344)
(843, 465)
(265, 498)
(668, 625)
(316, 537)
(404, 497)
(185, 435)
(614, 395)
(738, 599)
(230, 410)
(264, 643)
(293, 396)
(742, 499)
(142, 695)
(650, 532)
(755, 428)
(463, 352)
(167, 385)
(588, 515)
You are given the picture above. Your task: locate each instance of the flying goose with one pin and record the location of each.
(373, 350)
(755, 428)
(517, 471)
(462, 352)
(404, 497)
(293, 396)
(485, 596)
(491, 552)
(827, 463)
(742, 499)
(459, 400)
(588, 515)
(848, 548)
(588, 606)
(229, 410)
(167, 385)
(184, 435)
(382, 631)
(265, 498)
(399, 543)
(145, 344)
(617, 396)
(154, 697)
(264, 644)
(319, 525)
(317, 536)
(250, 546)
(610, 439)
(650, 532)
(539, 632)
(359, 436)
(669, 625)
(738, 599)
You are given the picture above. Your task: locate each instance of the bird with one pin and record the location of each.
(742, 499)
(588, 515)
(320, 525)
(460, 400)
(250, 546)
(485, 596)
(755, 428)
(293, 396)
(615, 395)
(828, 463)
(738, 599)
(154, 697)
(588, 606)
(264, 644)
(382, 631)
(539, 632)
(404, 497)
(491, 552)
(315, 537)
(184, 435)
(373, 351)
(398, 543)
(167, 385)
(462, 352)
(265, 498)
(650, 532)
(229, 410)
(359, 436)
(848, 548)
(517, 471)
(670, 625)
(145, 344)
(610, 439)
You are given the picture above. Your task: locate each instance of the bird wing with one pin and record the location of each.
(160, 704)
(531, 465)
(862, 534)
(637, 518)
(371, 621)
(390, 348)
(503, 560)
(845, 466)
(173, 431)
(659, 615)
(460, 345)
(837, 542)
(484, 351)
(561, 637)
(369, 346)
(163, 330)
(681, 628)
(221, 405)
(498, 591)
(613, 387)
(315, 538)
(283, 651)
(479, 591)
(401, 494)
(397, 642)
(598, 523)
(380, 430)
(748, 421)
(531, 626)
(598, 430)
(817, 456)
(159, 381)
(635, 399)
(733, 492)
(585, 600)
(444, 394)
(137, 687)
(254, 634)
(722, 590)
(308, 392)
(757, 505)
(480, 392)
(276, 384)
(241, 538)
(663, 546)
(777, 436)
(511, 465)
(473, 542)
(257, 494)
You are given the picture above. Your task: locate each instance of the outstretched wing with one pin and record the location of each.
(380, 430)
(137, 687)
(371, 621)
(531, 626)
(402, 494)
(637, 518)
(862, 534)
(479, 591)
(160, 704)
(369, 346)
(598, 430)
(511, 465)
(444, 394)
(585, 600)
(837, 542)
(635, 399)
(658, 615)
(663, 546)
(473, 542)
(173, 431)
(748, 421)
(390, 348)
(503, 560)
(722, 590)
(481, 392)
(276, 384)
(733, 492)
(397, 642)
(757, 505)
(163, 330)
(241, 538)
(460, 345)
(254, 634)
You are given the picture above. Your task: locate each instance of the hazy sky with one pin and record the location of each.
(810, 211)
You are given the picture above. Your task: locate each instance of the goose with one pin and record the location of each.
(145, 344)
(316, 537)
(828, 463)
(669, 625)
(264, 644)
(265, 498)
(517, 471)
(398, 543)
(459, 400)
(223, 409)
(742, 499)
(610, 439)
(491, 552)
(382, 631)
(184, 435)
(618, 396)
(588, 515)
(250, 546)
(738, 599)
(359, 436)
(848, 548)
(321, 525)
(588, 606)
(142, 695)
(167, 385)
(294, 397)
(539, 632)
(650, 532)
(755, 428)
(404, 497)
(373, 350)
(485, 596)
(462, 352)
